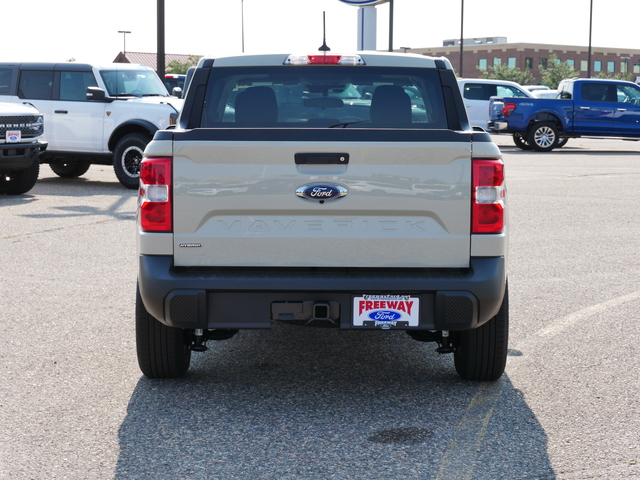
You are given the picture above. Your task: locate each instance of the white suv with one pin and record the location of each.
(21, 128)
(476, 93)
(94, 114)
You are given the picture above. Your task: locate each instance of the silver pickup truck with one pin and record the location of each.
(343, 191)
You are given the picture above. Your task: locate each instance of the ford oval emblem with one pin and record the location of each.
(321, 191)
(385, 316)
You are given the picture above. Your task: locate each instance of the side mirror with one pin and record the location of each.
(176, 92)
(96, 94)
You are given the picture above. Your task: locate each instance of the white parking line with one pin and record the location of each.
(566, 322)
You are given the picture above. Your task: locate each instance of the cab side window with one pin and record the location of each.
(628, 94)
(597, 92)
(73, 85)
(5, 81)
(35, 84)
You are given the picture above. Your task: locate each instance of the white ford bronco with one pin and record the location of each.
(94, 114)
(21, 129)
(343, 191)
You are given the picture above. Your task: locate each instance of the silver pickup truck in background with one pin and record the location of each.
(343, 191)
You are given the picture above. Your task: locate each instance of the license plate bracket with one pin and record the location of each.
(13, 136)
(386, 311)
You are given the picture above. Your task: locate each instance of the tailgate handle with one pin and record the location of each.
(322, 158)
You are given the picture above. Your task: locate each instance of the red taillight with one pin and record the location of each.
(508, 108)
(488, 196)
(154, 200)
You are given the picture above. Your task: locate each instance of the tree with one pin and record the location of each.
(556, 71)
(513, 74)
(629, 77)
(177, 67)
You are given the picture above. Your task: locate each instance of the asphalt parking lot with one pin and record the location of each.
(296, 403)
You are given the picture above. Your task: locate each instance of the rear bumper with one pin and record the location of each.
(18, 156)
(235, 298)
(495, 126)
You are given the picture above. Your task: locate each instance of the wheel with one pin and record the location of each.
(481, 353)
(521, 142)
(563, 141)
(163, 352)
(543, 136)
(69, 170)
(20, 181)
(127, 157)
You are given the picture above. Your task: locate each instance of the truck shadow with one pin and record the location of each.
(296, 403)
(84, 187)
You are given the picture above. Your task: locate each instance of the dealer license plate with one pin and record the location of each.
(386, 311)
(13, 136)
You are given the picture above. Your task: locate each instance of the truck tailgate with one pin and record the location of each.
(235, 204)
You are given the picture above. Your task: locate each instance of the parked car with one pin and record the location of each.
(335, 191)
(21, 130)
(587, 107)
(94, 114)
(174, 81)
(535, 88)
(476, 93)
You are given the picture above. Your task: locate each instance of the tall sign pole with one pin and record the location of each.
(160, 54)
(367, 22)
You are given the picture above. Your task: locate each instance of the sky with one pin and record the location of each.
(61, 30)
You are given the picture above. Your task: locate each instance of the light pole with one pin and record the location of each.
(242, 20)
(124, 39)
(160, 55)
(391, 26)
(590, 27)
(461, 34)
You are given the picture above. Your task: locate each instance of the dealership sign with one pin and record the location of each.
(364, 3)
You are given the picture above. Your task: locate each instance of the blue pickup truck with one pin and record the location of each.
(584, 108)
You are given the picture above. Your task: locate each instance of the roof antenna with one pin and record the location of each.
(323, 47)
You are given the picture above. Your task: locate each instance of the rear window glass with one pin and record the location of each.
(324, 97)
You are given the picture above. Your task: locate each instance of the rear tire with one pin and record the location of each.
(163, 352)
(543, 136)
(481, 354)
(69, 170)
(20, 181)
(521, 142)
